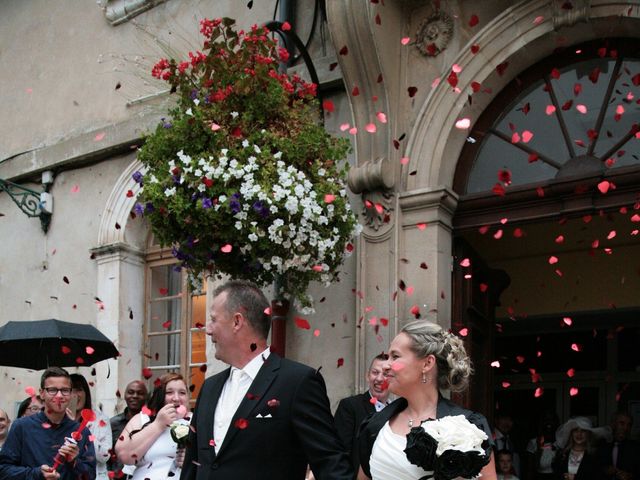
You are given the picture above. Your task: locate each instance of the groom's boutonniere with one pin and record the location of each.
(180, 432)
(449, 447)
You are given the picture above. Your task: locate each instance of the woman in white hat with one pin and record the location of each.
(576, 459)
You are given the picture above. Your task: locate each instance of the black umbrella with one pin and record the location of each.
(47, 343)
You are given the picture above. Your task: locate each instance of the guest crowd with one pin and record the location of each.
(268, 417)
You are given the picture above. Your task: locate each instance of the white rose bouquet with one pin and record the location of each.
(450, 447)
(180, 432)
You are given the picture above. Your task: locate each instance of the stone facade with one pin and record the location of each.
(77, 97)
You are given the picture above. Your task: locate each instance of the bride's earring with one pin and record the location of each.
(424, 377)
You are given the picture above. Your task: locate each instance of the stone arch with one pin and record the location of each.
(522, 35)
(118, 207)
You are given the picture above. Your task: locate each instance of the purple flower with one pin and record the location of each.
(261, 208)
(207, 203)
(149, 207)
(138, 209)
(234, 203)
(176, 179)
(194, 94)
(166, 124)
(137, 177)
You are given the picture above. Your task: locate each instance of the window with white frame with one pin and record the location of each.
(174, 336)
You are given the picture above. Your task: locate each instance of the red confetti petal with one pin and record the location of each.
(412, 91)
(241, 423)
(147, 373)
(571, 372)
(328, 106)
(473, 21)
(340, 362)
(66, 350)
(302, 323)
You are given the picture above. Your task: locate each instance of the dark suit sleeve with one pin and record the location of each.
(312, 421)
(345, 418)
(190, 464)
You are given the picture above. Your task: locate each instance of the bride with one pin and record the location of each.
(423, 358)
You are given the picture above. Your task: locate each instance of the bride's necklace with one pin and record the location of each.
(431, 412)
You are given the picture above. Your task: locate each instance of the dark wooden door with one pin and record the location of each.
(476, 294)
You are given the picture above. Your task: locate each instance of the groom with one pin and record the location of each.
(266, 416)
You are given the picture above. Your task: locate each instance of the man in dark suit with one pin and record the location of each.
(353, 410)
(266, 416)
(620, 459)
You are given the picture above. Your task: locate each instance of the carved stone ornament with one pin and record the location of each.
(567, 13)
(378, 206)
(434, 34)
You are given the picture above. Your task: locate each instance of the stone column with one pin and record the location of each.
(426, 242)
(121, 296)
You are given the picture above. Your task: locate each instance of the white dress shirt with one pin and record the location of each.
(233, 392)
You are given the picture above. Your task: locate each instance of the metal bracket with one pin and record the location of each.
(29, 201)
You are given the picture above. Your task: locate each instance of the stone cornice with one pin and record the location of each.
(121, 11)
(81, 150)
(106, 253)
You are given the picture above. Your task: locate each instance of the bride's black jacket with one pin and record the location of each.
(372, 425)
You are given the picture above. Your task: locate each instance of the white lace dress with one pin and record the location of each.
(158, 463)
(388, 460)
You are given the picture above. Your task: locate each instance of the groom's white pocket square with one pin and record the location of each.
(268, 415)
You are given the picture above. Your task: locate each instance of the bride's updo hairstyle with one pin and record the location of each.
(454, 365)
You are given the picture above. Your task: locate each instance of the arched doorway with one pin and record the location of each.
(548, 184)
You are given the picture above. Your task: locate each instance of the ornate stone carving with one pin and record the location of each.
(378, 206)
(434, 34)
(569, 12)
(370, 176)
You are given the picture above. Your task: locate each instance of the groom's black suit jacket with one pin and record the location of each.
(299, 431)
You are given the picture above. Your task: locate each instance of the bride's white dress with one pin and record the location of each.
(388, 460)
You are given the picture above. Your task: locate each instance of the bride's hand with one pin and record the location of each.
(180, 457)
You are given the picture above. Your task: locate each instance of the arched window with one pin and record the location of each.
(573, 114)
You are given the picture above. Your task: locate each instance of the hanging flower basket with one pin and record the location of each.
(240, 178)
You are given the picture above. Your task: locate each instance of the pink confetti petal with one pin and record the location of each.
(382, 118)
(463, 332)
(353, 130)
(526, 136)
(226, 248)
(344, 126)
(465, 262)
(75, 189)
(89, 350)
(329, 198)
(371, 128)
(604, 186)
(538, 20)
(99, 136)
(553, 260)
(581, 108)
(456, 68)
(550, 109)
(539, 392)
(463, 123)
(571, 372)
(567, 321)
(405, 40)
(404, 160)
(495, 364)
(573, 391)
